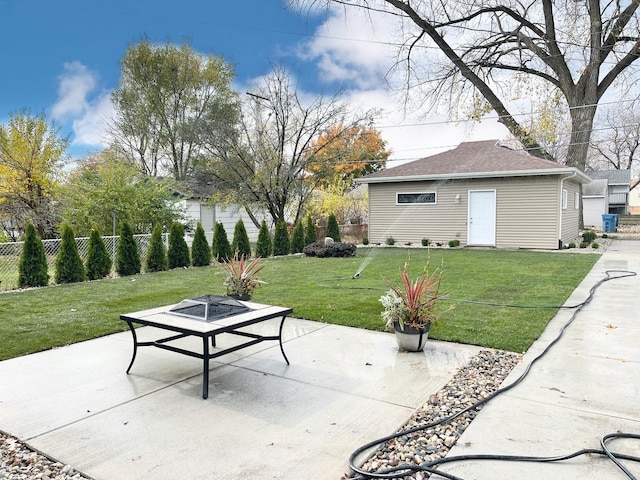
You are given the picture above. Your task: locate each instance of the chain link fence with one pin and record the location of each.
(10, 255)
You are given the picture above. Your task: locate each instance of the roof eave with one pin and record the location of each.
(572, 172)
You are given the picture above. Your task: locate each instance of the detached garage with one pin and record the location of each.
(479, 193)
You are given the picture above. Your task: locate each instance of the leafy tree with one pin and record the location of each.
(200, 251)
(69, 266)
(164, 95)
(281, 244)
(310, 232)
(178, 248)
(157, 254)
(98, 263)
(31, 159)
(480, 53)
(128, 256)
(344, 154)
(262, 165)
(333, 230)
(220, 247)
(618, 144)
(106, 187)
(241, 243)
(32, 266)
(264, 247)
(297, 238)
(339, 198)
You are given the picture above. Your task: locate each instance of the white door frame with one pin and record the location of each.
(483, 231)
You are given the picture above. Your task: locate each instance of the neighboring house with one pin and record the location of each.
(595, 202)
(479, 193)
(618, 185)
(634, 198)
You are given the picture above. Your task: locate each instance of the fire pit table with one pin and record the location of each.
(206, 317)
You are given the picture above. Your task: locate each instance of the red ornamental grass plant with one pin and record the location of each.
(242, 275)
(413, 303)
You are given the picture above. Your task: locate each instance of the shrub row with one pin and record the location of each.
(337, 249)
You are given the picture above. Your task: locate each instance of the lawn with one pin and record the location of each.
(317, 289)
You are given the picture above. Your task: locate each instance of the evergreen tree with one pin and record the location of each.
(32, 267)
(310, 232)
(297, 238)
(128, 256)
(69, 267)
(333, 230)
(241, 243)
(178, 248)
(281, 239)
(220, 247)
(200, 251)
(157, 254)
(98, 260)
(264, 247)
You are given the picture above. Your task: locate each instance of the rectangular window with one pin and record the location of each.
(576, 201)
(565, 194)
(414, 198)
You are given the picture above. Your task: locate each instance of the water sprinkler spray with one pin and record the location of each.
(357, 275)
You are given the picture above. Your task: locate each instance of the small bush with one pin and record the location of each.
(584, 244)
(454, 243)
(588, 236)
(200, 251)
(595, 245)
(365, 240)
(240, 242)
(220, 247)
(281, 244)
(390, 241)
(297, 238)
(604, 235)
(128, 257)
(333, 230)
(98, 260)
(337, 249)
(310, 232)
(425, 242)
(571, 245)
(264, 247)
(32, 266)
(157, 254)
(178, 253)
(69, 266)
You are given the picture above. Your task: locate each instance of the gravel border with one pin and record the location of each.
(482, 376)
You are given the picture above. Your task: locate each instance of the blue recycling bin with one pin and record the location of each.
(616, 217)
(608, 223)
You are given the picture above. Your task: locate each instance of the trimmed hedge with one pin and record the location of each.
(336, 249)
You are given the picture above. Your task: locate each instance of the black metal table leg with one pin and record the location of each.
(280, 339)
(205, 368)
(135, 345)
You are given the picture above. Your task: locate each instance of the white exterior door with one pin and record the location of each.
(482, 218)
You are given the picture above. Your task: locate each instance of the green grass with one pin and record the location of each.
(317, 289)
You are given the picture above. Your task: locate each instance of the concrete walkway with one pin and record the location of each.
(586, 387)
(262, 420)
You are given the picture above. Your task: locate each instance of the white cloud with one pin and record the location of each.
(91, 128)
(75, 84)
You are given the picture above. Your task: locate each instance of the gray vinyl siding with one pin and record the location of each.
(571, 216)
(527, 211)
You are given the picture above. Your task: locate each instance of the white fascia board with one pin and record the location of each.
(580, 177)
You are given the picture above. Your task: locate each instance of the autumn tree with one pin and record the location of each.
(342, 154)
(32, 154)
(479, 52)
(263, 164)
(106, 190)
(164, 93)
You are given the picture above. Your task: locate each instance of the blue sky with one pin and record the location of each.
(62, 58)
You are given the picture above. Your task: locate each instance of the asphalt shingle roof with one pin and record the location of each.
(615, 177)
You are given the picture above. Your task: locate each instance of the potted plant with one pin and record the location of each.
(241, 276)
(410, 308)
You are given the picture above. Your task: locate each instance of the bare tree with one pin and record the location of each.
(263, 163)
(579, 48)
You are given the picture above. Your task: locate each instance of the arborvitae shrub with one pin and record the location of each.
(128, 256)
(200, 251)
(178, 249)
(333, 230)
(157, 254)
(297, 238)
(310, 232)
(98, 260)
(241, 243)
(264, 247)
(220, 247)
(69, 267)
(32, 267)
(281, 239)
